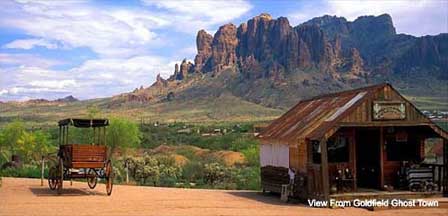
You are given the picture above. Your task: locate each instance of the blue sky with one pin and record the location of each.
(89, 49)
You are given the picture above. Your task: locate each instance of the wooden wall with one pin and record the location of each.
(298, 156)
(363, 113)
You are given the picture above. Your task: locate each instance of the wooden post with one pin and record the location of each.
(381, 157)
(445, 168)
(324, 168)
(354, 155)
(60, 135)
(42, 171)
(66, 134)
(127, 172)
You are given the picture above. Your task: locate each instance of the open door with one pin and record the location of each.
(368, 158)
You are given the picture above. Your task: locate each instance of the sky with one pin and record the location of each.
(91, 49)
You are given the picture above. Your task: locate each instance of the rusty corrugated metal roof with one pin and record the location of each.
(312, 118)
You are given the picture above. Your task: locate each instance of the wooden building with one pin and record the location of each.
(351, 142)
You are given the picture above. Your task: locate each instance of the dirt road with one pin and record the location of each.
(27, 197)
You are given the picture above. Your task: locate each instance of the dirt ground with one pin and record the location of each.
(26, 197)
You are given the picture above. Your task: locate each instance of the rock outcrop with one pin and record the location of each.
(67, 99)
(224, 46)
(204, 46)
(160, 82)
(269, 58)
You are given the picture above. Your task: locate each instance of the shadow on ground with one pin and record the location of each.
(45, 191)
(268, 198)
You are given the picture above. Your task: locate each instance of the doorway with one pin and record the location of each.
(368, 158)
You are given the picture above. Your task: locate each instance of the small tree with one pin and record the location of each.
(12, 134)
(33, 145)
(42, 145)
(26, 145)
(122, 134)
(3, 155)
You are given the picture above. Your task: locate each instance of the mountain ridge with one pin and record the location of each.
(268, 61)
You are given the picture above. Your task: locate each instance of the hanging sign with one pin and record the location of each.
(389, 110)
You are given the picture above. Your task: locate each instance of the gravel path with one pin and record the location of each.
(26, 197)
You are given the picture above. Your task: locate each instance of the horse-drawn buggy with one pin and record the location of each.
(83, 161)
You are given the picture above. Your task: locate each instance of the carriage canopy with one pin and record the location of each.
(84, 123)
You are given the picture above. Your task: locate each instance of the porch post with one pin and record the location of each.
(324, 168)
(445, 168)
(381, 157)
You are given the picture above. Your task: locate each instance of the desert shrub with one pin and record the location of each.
(154, 169)
(252, 155)
(187, 152)
(193, 171)
(26, 171)
(153, 136)
(215, 172)
(248, 178)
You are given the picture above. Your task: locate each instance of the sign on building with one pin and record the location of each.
(389, 110)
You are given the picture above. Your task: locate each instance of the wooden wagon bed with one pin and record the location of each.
(83, 156)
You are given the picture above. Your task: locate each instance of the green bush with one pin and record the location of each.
(193, 171)
(252, 155)
(26, 171)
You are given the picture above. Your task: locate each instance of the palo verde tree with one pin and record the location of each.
(30, 145)
(11, 135)
(122, 134)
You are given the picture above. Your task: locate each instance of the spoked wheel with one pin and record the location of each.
(109, 174)
(53, 178)
(92, 179)
(60, 175)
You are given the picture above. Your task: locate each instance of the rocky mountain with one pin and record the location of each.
(67, 99)
(268, 61)
(41, 101)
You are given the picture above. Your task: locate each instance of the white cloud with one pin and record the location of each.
(190, 16)
(92, 79)
(418, 17)
(76, 24)
(11, 59)
(30, 43)
(53, 84)
(125, 40)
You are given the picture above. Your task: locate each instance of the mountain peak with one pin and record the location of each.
(265, 16)
(376, 24)
(326, 20)
(69, 98)
(265, 57)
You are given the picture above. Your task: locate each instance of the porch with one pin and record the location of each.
(377, 162)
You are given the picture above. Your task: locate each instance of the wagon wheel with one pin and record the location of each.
(60, 175)
(109, 174)
(92, 179)
(52, 178)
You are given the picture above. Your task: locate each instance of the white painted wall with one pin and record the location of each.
(274, 155)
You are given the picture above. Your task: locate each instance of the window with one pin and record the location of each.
(398, 150)
(338, 150)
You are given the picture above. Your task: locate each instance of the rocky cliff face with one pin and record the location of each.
(204, 47)
(265, 47)
(267, 60)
